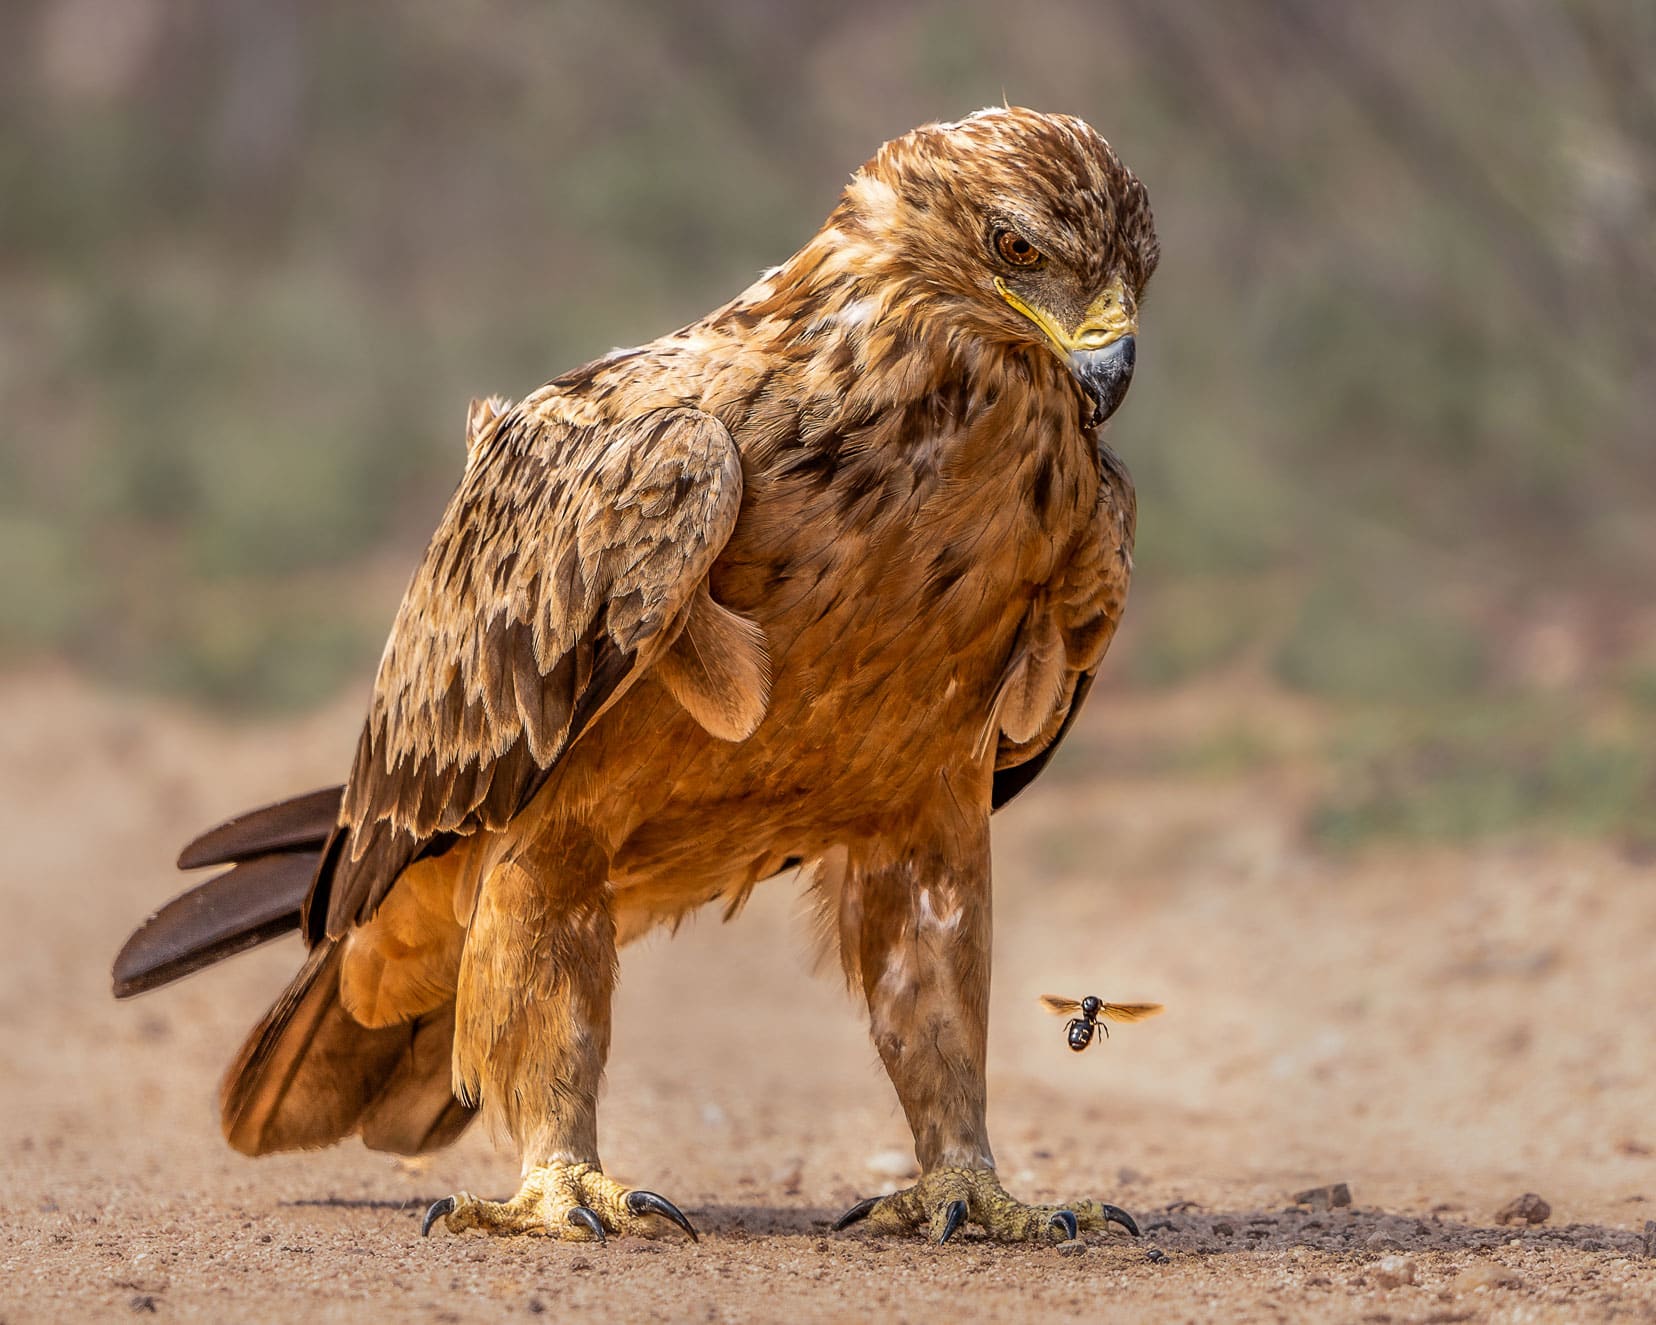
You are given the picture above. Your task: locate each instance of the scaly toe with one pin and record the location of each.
(945, 1199)
(619, 1209)
(463, 1211)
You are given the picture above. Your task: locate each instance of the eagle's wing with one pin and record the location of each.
(572, 555)
(1067, 646)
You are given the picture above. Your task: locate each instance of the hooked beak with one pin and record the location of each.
(1106, 373)
(1100, 351)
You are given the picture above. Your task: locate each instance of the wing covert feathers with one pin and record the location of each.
(718, 669)
(1029, 692)
(483, 415)
(1090, 596)
(561, 570)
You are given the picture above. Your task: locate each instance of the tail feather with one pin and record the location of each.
(274, 853)
(297, 824)
(310, 1075)
(416, 1111)
(250, 904)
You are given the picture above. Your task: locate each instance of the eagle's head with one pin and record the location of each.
(1017, 227)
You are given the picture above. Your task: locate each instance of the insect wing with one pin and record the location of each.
(1060, 1007)
(1129, 1011)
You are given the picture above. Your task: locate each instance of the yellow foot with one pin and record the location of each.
(575, 1202)
(944, 1199)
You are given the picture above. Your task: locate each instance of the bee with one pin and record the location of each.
(1094, 1013)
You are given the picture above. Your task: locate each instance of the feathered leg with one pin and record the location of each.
(532, 1034)
(914, 932)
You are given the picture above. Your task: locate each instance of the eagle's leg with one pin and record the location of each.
(532, 1033)
(915, 924)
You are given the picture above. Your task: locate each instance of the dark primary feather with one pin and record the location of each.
(255, 902)
(274, 850)
(291, 825)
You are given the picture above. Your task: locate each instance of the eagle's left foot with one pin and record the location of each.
(575, 1202)
(944, 1199)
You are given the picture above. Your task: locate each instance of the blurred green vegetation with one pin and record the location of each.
(1392, 428)
(1515, 768)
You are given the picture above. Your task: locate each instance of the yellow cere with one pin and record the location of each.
(1107, 320)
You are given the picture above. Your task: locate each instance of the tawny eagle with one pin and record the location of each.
(819, 580)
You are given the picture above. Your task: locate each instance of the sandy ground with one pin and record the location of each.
(1442, 1031)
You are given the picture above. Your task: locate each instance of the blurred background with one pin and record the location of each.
(1393, 428)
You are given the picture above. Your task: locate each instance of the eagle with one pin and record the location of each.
(817, 582)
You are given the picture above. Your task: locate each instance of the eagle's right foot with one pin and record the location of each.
(946, 1198)
(573, 1202)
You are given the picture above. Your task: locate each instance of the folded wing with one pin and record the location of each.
(566, 564)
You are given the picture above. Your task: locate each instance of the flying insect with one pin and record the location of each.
(1094, 1014)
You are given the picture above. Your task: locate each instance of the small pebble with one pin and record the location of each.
(1650, 1237)
(1073, 1247)
(1487, 1274)
(1382, 1241)
(1394, 1271)
(1324, 1198)
(1156, 1256)
(1526, 1209)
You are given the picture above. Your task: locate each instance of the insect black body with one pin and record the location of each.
(1081, 1028)
(1094, 1012)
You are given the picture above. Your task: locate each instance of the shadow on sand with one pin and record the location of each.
(1180, 1227)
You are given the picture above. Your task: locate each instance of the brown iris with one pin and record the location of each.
(1017, 250)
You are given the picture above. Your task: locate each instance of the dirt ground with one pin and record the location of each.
(1442, 1031)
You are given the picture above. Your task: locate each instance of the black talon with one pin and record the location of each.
(859, 1211)
(952, 1219)
(648, 1203)
(586, 1217)
(437, 1211)
(1115, 1214)
(1065, 1219)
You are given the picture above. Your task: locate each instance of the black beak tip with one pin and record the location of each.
(1106, 374)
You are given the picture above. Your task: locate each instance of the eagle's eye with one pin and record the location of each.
(1017, 250)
